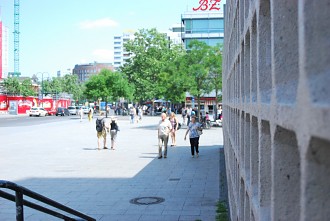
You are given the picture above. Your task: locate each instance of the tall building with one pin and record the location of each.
(85, 71)
(1, 50)
(4, 35)
(120, 55)
(206, 26)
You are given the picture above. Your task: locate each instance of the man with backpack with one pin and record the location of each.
(101, 130)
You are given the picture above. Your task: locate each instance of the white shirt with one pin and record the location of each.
(164, 127)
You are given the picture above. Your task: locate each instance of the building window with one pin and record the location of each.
(204, 26)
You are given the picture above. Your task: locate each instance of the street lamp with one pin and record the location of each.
(42, 84)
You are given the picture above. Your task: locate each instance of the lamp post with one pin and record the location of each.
(42, 84)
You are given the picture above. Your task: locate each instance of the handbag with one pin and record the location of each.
(200, 131)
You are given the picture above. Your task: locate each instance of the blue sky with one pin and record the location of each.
(57, 34)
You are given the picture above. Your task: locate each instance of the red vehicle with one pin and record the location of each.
(51, 112)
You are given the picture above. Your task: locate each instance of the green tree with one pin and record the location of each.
(71, 85)
(47, 87)
(214, 63)
(198, 69)
(27, 89)
(108, 85)
(174, 77)
(56, 85)
(68, 84)
(12, 86)
(151, 53)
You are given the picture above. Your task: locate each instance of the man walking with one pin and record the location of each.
(102, 126)
(164, 129)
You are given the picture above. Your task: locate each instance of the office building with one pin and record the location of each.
(85, 71)
(4, 35)
(206, 26)
(120, 55)
(175, 33)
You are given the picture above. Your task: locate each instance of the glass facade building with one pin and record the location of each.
(203, 26)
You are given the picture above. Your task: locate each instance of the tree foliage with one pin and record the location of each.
(158, 69)
(12, 86)
(146, 70)
(174, 76)
(27, 88)
(214, 62)
(67, 84)
(198, 69)
(108, 86)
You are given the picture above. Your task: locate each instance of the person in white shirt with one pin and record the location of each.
(81, 113)
(164, 129)
(188, 114)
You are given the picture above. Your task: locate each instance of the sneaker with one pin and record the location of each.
(197, 155)
(192, 156)
(105, 148)
(165, 156)
(160, 157)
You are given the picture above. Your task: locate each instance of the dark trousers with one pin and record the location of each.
(194, 145)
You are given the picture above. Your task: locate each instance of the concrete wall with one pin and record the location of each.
(276, 106)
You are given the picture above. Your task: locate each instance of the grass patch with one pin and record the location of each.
(222, 212)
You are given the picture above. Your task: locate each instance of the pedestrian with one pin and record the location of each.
(184, 115)
(194, 129)
(188, 115)
(132, 113)
(175, 124)
(114, 128)
(164, 128)
(90, 114)
(140, 113)
(102, 127)
(81, 113)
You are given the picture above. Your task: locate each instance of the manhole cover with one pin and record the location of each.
(147, 200)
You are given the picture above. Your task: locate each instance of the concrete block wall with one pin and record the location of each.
(276, 108)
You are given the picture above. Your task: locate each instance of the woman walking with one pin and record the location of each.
(174, 123)
(194, 129)
(90, 114)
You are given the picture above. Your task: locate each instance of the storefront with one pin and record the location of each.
(22, 105)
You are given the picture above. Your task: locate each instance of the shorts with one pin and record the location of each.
(102, 134)
(113, 134)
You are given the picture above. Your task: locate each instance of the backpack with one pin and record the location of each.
(99, 125)
(114, 125)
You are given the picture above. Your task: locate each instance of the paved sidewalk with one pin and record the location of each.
(61, 161)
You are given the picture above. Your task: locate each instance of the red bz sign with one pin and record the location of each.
(210, 5)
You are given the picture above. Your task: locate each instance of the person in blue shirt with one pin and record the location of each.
(194, 129)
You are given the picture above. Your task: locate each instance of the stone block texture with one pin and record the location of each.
(276, 109)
